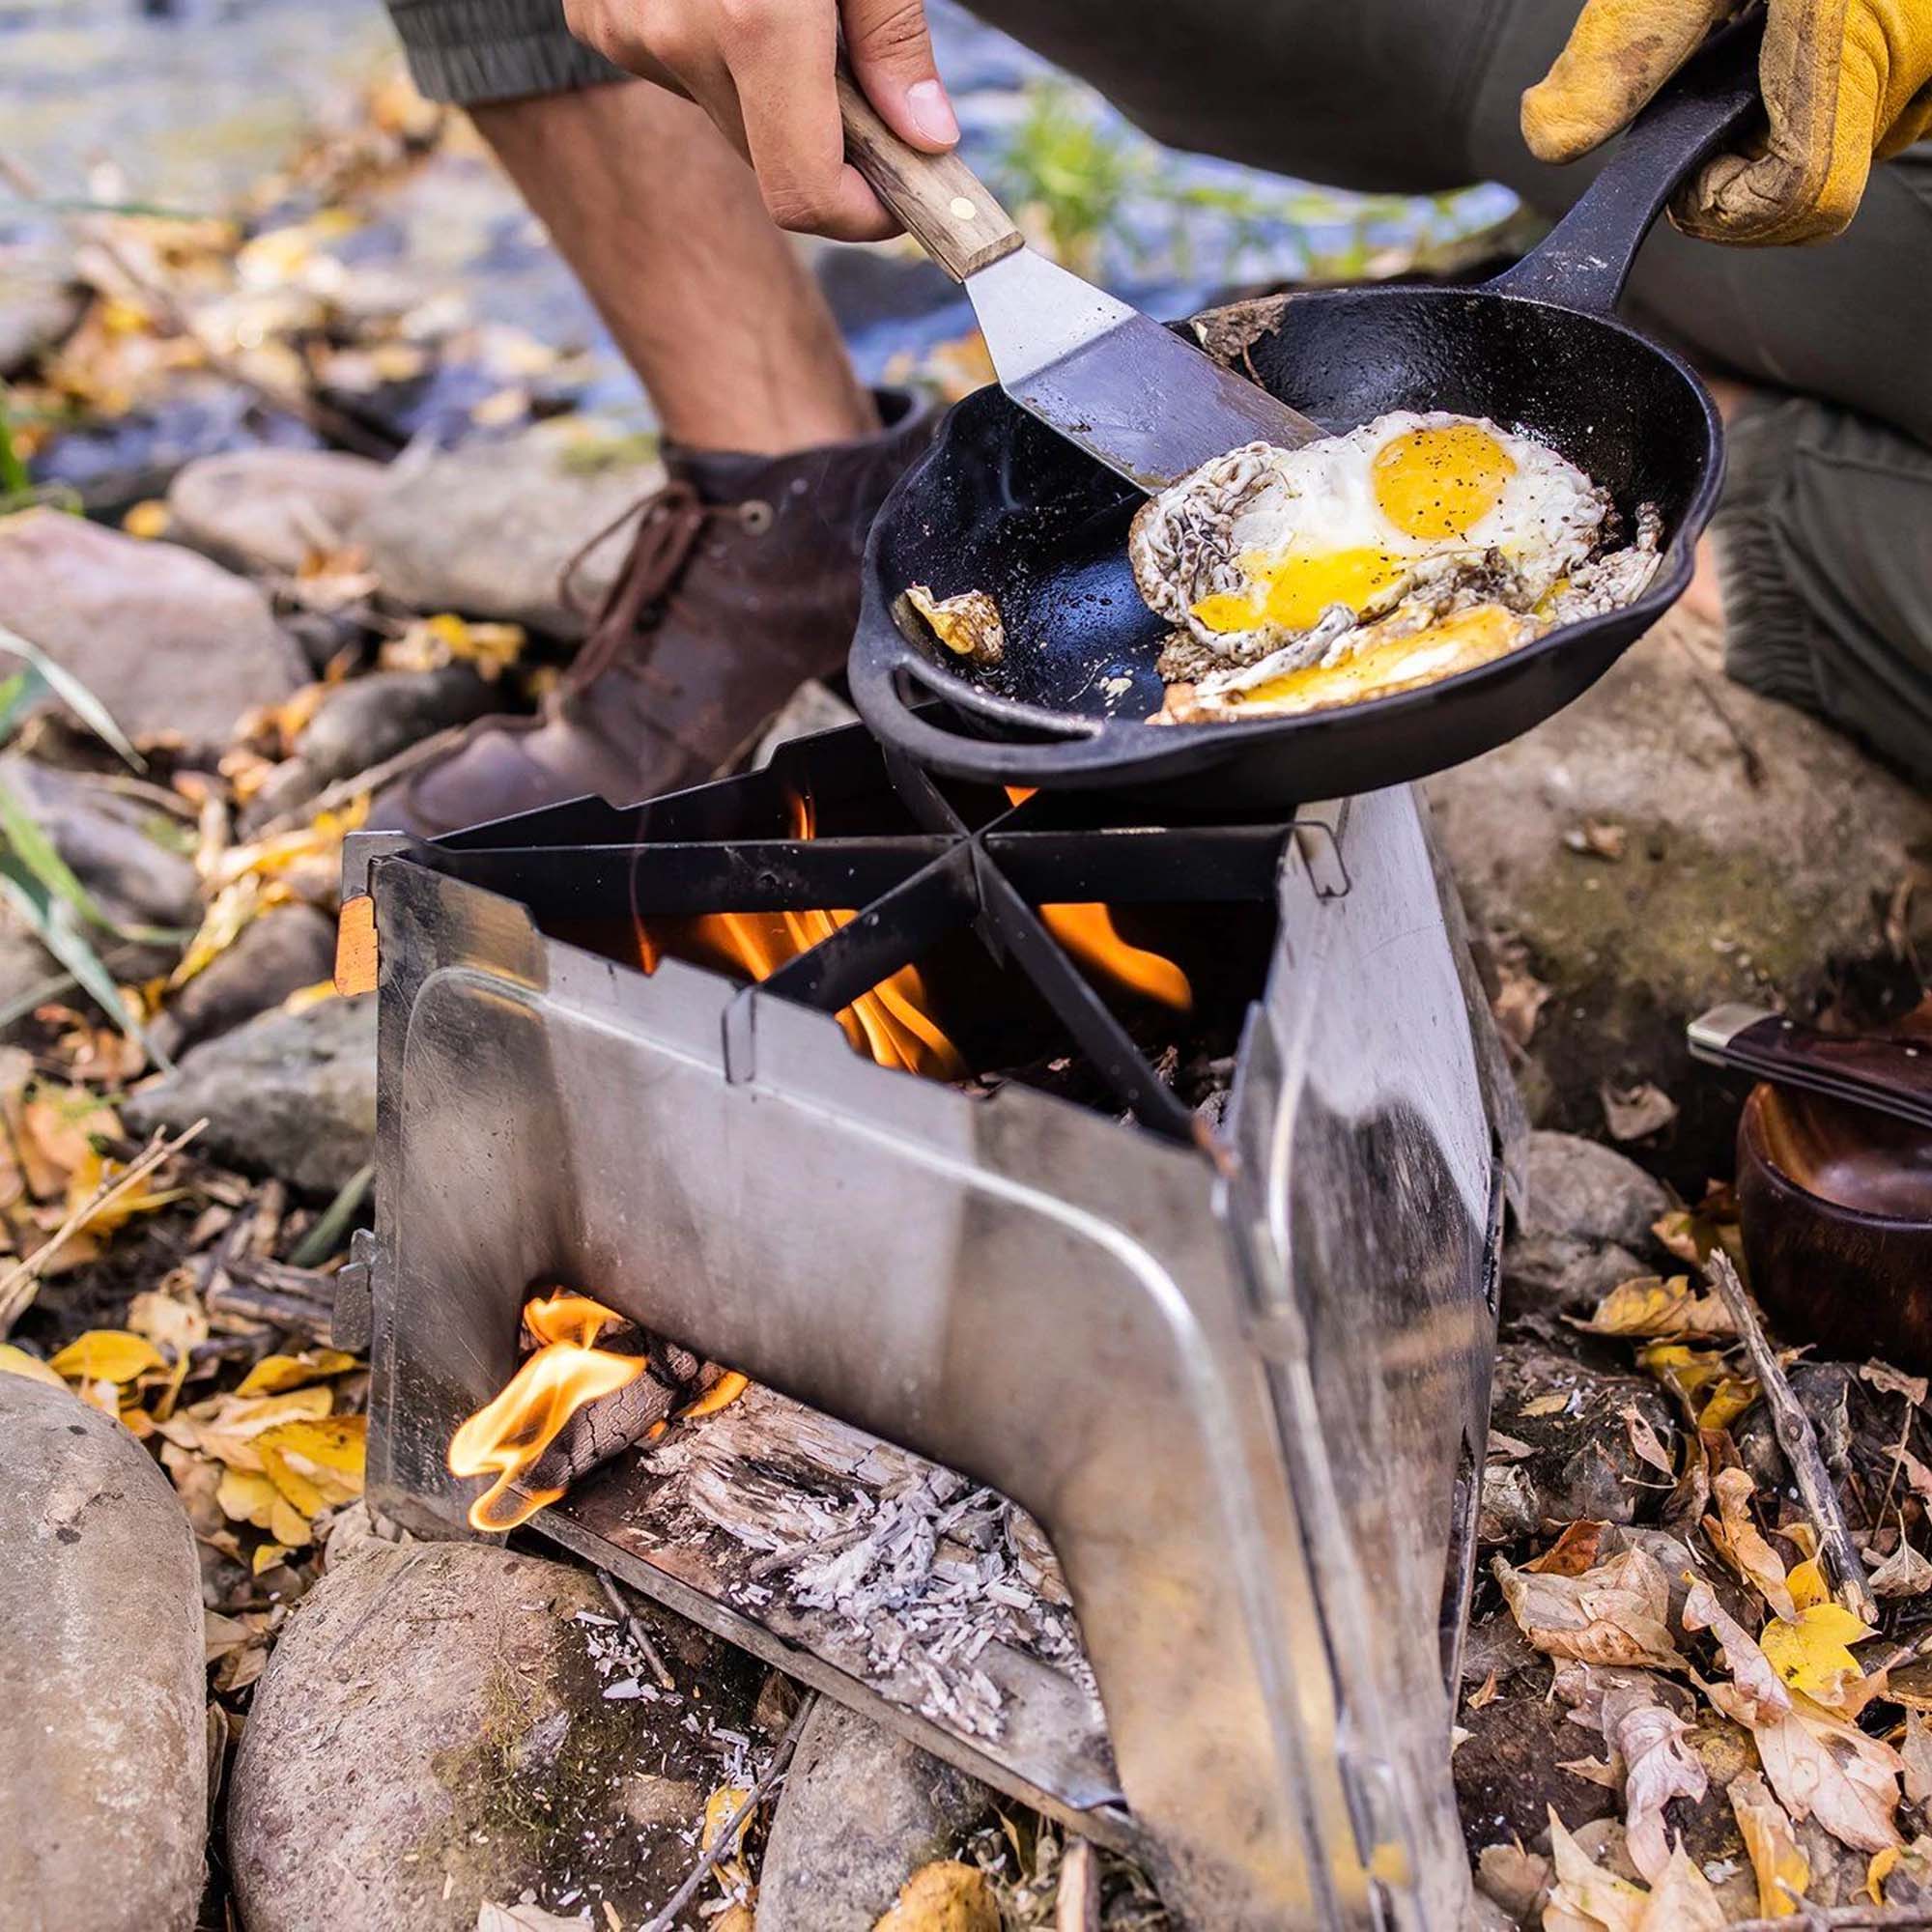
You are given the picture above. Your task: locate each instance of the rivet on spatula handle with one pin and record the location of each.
(944, 206)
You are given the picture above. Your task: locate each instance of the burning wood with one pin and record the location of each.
(594, 1384)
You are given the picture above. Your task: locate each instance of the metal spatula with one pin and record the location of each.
(1141, 399)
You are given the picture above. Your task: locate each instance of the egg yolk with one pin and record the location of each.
(1294, 588)
(1435, 483)
(1458, 643)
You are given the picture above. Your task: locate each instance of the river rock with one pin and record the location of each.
(279, 953)
(267, 509)
(487, 529)
(1760, 851)
(170, 642)
(287, 1094)
(104, 1755)
(432, 1734)
(863, 1809)
(35, 312)
(1585, 1226)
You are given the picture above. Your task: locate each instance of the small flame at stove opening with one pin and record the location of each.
(508, 1435)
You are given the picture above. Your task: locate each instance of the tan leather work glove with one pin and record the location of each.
(1843, 81)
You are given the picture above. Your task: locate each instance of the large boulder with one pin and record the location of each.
(863, 1809)
(434, 1733)
(1760, 852)
(170, 642)
(103, 1752)
(487, 527)
(267, 509)
(287, 1094)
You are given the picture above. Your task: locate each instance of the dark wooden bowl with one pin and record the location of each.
(1836, 1206)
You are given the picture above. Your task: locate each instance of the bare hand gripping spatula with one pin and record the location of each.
(1131, 393)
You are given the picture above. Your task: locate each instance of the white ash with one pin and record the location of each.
(620, 1661)
(926, 1575)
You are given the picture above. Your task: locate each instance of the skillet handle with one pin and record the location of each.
(1584, 262)
(872, 677)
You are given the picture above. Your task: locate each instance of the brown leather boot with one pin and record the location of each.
(742, 583)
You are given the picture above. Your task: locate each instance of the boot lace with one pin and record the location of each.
(670, 523)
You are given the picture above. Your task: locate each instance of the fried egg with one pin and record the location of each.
(1263, 546)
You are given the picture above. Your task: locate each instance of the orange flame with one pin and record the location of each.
(1087, 931)
(508, 1434)
(891, 1022)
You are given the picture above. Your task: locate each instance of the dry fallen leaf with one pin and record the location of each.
(1809, 1651)
(1917, 1754)
(1778, 1861)
(1736, 1537)
(1658, 1768)
(1645, 1440)
(1585, 1897)
(1652, 1306)
(1888, 1381)
(1824, 1768)
(1905, 1572)
(529, 1918)
(946, 1896)
(1573, 1552)
(14, 1360)
(1611, 1614)
(108, 1354)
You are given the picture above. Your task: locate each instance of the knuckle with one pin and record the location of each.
(796, 207)
(892, 31)
(749, 24)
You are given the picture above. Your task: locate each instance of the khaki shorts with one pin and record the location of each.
(1826, 528)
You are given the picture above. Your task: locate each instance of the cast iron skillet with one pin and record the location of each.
(1001, 504)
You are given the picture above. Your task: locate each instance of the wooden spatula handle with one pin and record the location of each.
(944, 206)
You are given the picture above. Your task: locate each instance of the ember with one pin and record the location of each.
(509, 1435)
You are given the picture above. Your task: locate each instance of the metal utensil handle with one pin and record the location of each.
(944, 206)
(1888, 1075)
(1585, 259)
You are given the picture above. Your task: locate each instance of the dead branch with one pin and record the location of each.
(722, 1845)
(638, 1634)
(1804, 1918)
(300, 1301)
(1076, 1906)
(345, 791)
(1800, 1443)
(22, 1282)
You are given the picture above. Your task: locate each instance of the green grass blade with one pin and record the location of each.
(58, 930)
(14, 479)
(75, 695)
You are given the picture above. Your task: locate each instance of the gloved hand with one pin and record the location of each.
(1843, 81)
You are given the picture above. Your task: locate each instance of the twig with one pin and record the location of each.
(22, 1282)
(332, 798)
(722, 1843)
(323, 1238)
(639, 1635)
(1800, 1443)
(1804, 1918)
(1076, 1905)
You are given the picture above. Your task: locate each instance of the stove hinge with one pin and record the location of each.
(353, 1321)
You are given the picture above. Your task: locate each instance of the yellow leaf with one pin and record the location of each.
(1808, 1652)
(287, 1525)
(245, 1498)
(16, 1361)
(274, 1373)
(1655, 1307)
(1779, 1864)
(719, 1811)
(225, 1426)
(945, 1896)
(108, 1354)
(267, 1556)
(1808, 1583)
(316, 1465)
(147, 519)
(1728, 1401)
(1878, 1871)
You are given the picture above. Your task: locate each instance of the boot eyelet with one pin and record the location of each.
(756, 516)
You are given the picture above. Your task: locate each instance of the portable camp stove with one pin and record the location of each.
(1239, 1371)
